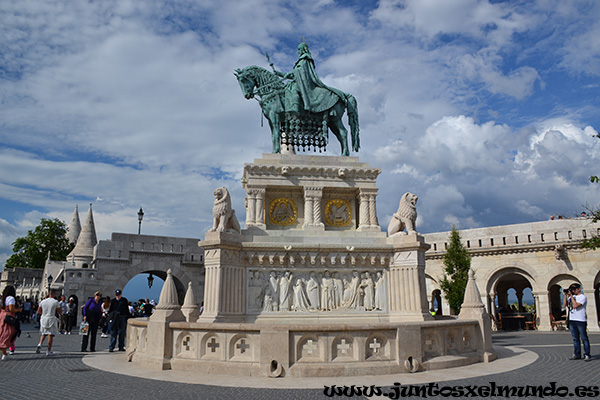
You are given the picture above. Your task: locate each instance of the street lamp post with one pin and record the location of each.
(140, 217)
(150, 280)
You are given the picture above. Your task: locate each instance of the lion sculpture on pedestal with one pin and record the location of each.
(406, 216)
(224, 219)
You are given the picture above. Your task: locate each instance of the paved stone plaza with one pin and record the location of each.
(66, 375)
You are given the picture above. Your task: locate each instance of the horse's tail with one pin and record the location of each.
(353, 121)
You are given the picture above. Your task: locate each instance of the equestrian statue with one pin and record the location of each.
(299, 107)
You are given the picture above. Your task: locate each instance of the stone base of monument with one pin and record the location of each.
(307, 350)
(312, 286)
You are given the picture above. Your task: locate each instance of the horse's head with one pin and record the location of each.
(246, 81)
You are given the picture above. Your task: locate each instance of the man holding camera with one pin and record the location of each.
(576, 302)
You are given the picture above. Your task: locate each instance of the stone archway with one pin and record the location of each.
(555, 295)
(434, 296)
(498, 286)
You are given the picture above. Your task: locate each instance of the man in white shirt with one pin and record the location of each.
(48, 321)
(576, 303)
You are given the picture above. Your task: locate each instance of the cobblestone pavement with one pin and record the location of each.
(26, 375)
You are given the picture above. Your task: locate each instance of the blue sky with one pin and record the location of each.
(485, 109)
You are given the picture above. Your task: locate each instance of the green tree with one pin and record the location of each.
(32, 250)
(457, 262)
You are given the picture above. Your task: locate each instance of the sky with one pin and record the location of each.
(487, 110)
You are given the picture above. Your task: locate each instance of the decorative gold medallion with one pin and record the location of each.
(338, 212)
(283, 211)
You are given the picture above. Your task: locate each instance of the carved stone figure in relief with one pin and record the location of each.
(256, 290)
(301, 302)
(368, 287)
(327, 292)
(346, 298)
(285, 286)
(379, 291)
(224, 219)
(354, 298)
(338, 292)
(406, 216)
(312, 289)
(273, 286)
(269, 304)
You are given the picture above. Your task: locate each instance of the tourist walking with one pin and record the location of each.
(63, 304)
(105, 326)
(576, 302)
(71, 315)
(92, 312)
(9, 324)
(118, 315)
(48, 322)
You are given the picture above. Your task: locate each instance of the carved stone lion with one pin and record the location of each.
(406, 216)
(224, 219)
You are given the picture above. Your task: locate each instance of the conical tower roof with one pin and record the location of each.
(87, 238)
(74, 229)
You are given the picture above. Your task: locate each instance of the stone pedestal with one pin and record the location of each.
(407, 297)
(225, 277)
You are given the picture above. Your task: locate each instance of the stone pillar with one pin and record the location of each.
(367, 218)
(312, 207)
(363, 216)
(406, 287)
(255, 207)
(493, 304)
(260, 208)
(225, 281)
(159, 337)
(543, 309)
(473, 308)
(592, 316)
(250, 208)
(519, 300)
(373, 210)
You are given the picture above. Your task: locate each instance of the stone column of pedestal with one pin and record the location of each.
(317, 195)
(364, 222)
(260, 208)
(250, 207)
(312, 207)
(373, 210)
(159, 336)
(407, 296)
(225, 282)
(543, 309)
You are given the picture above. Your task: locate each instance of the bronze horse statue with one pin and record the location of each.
(299, 129)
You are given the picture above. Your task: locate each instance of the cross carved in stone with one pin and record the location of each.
(186, 343)
(243, 346)
(213, 345)
(343, 347)
(375, 346)
(310, 346)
